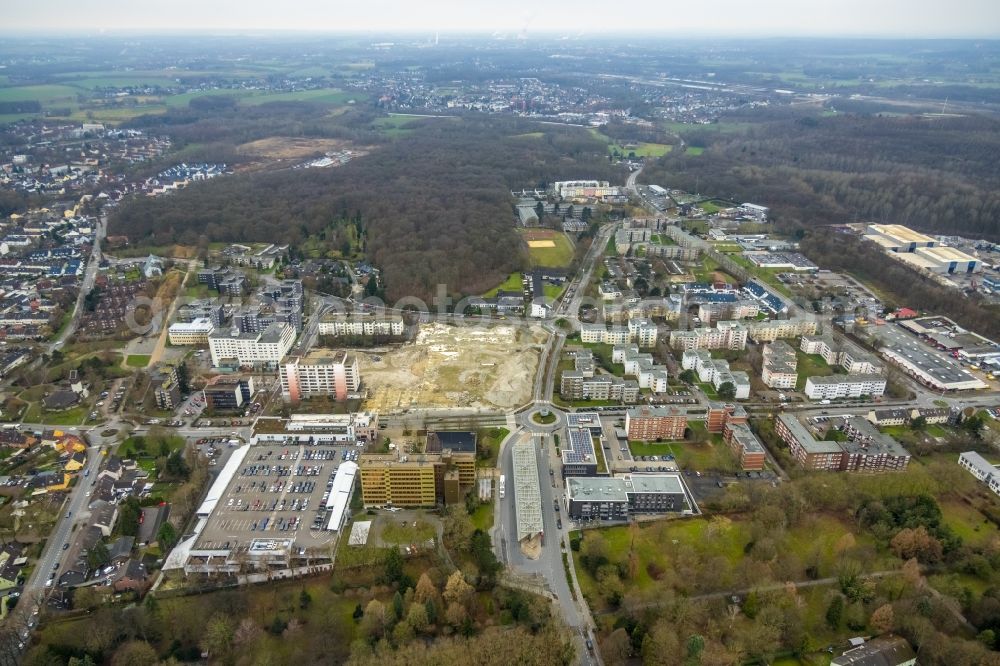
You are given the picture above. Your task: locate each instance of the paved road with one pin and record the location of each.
(89, 275)
(549, 564)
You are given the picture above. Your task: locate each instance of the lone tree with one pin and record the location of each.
(727, 390)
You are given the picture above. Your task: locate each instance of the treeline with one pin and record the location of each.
(21, 106)
(935, 174)
(435, 204)
(844, 252)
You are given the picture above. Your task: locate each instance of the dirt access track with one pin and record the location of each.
(454, 366)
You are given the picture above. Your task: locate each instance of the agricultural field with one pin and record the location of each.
(548, 248)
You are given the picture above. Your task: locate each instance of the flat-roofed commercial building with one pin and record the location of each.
(392, 480)
(649, 423)
(263, 349)
(193, 333)
(444, 473)
(578, 455)
(320, 372)
(897, 238)
(227, 393)
(616, 498)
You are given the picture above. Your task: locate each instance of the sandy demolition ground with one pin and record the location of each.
(454, 366)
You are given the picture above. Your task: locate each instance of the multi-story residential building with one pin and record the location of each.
(224, 280)
(850, 357)
(574, 385)
(202, 308)
(263, 349)
(643, 332)
(833, 387)
(319, 372)
(650, 423)
(745, 446)
(980, 468)
(166, 388)
(193, 333)
(778, 369)
(720, 414)
(769, 331)
(717, 372)
(725, 335)
(617, 498)
(609, 335)
(865, 449)
(370, 324)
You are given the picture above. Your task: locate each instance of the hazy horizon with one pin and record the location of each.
(894, 19)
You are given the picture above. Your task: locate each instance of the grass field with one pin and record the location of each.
(41, 93)
(512, 283)
(137, 360)
(482, 518)
(810, 365)
(560, 255)
(707, 457)
(720, 541)
(397, 532)
(694, 150)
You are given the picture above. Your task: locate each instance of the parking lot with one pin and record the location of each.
(279, 491)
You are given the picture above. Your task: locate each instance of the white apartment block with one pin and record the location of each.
(853, 360)
(265, 348)
(613, 335)
(980, 468)
(844, 386)
(640, 365)
(716, 371)
(769, 331)
(643, 332)
(320, 372)
(779, 366)
(359, 325)
(725, 335)
(194, 333)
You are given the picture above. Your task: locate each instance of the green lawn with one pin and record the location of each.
(553, 291)
(641, 149)
(708, 390)
(512, 283)
(482, 518)
(397, 532)
(694, 150)
(712, 456)
(137, 360)
(810, 365)
(558, 256)
(72, 416)
(41, 93)
(967, 522)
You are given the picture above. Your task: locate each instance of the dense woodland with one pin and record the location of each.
(843, 252)
(935, 174)
(436, 203)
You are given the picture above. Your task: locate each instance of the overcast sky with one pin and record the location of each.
(751, 18)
